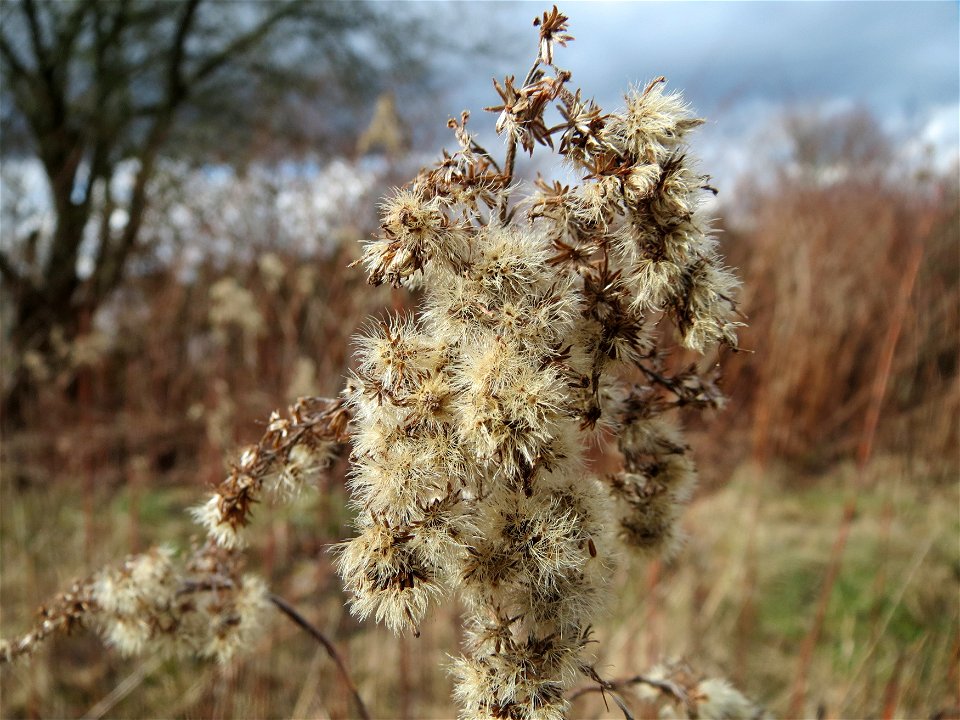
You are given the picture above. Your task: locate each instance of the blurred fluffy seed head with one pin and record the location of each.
(234, 306)
(235, 623)
(210, 517)
(151, 603)
(717, 699)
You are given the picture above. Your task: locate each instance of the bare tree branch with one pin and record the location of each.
(109, 269)
(245, 41)
(70, 28)
(175, 82)
(17, 68)
(36, 36)
(111, 255)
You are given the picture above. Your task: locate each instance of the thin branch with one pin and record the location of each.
(211, 584)
(36, 36)
(288, 610)
(243, 43)
(68, 33)
(508, 175)
(671, 689)
(51, 67)
(511, 159)
(175, 83)
(16, 65)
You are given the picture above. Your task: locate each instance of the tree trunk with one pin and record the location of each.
(38, 309)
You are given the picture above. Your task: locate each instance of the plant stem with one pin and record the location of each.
(511, 159)
(291, 612)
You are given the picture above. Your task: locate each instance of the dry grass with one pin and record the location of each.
(759, 548)
(894, 606)
(822, 271)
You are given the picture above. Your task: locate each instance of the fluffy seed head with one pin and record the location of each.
(388, 577)
(653, 124)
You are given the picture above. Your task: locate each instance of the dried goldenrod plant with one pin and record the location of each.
(204, 608)
(547, 313)
(471, 418)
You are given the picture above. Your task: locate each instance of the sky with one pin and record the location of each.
(743, 64)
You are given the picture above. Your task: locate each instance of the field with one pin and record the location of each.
(738, 601)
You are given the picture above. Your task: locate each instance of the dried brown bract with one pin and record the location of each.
(553, 29)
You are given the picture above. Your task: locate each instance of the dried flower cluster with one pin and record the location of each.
(205, 608)
(543, 333)
(289, 455)
(472, 417)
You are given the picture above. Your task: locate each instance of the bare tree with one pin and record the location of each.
(89, 85)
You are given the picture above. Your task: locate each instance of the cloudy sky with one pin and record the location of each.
(743, 64)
